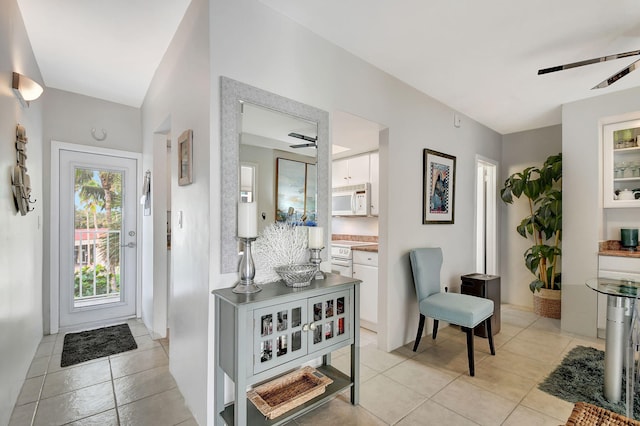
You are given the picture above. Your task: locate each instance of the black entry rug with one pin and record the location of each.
(92, 344)
(580, 377)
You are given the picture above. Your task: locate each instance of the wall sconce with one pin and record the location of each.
(26, 90)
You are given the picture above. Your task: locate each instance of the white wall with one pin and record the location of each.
(253, 44)
(583, 217)
(355, 225)
(20, 236)
(69, 117)
(520, 150)
(178, 99)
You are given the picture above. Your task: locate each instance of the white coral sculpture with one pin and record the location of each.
(279, 244)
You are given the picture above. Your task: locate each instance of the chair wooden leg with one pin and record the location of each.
(435, 329)
(470, 350)
(490, 334)
(420, 329)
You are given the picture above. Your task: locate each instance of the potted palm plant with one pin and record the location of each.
(542, 187)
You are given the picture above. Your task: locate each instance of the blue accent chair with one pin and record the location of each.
(460, 309)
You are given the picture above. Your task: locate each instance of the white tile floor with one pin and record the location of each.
(131, 388)
(430, 387)
(433, 386)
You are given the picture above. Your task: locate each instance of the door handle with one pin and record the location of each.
(129, 245)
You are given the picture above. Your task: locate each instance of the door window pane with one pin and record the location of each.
(97, 238)
(296, 341)
(282, 320)
(266, 348)
(328, 311)
(267, 325)
(296, 317)
(317, 334)
(317, 311)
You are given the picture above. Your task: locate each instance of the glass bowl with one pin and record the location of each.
(298, 275)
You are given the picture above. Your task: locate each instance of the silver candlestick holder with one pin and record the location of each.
(316, 260)
(247, 270)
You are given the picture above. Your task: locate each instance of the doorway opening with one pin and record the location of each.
(94, 249)
(486, 216)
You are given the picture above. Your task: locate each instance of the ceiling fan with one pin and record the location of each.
(311, 141)
(607, 82)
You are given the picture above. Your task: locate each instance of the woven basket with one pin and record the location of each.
(584, 414)
(547, 303)
(287, 392)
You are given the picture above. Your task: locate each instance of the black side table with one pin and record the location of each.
(487, 286)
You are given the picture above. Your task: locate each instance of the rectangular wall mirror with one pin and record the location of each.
(275, 152)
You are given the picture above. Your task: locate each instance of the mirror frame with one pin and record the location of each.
(232, 93)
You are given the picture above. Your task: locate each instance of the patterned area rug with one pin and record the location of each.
(580, 377)
(92, 344)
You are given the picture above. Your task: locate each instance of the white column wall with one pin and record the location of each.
(583, 217)
(178, 99)
(20, 236)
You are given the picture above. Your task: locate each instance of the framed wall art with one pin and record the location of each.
(439, 184)
(185, 158)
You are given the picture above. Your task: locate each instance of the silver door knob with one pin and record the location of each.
(129, 245)
(312, 326)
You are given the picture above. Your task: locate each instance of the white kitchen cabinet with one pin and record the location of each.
(617, 267)
(350, 171)
(374, 179)
(621, 163)
(365, 268)
(264, 335)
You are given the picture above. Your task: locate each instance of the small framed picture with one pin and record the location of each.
(185, 158)
(439, 184)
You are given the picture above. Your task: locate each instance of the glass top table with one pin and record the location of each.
(621, 295)
(614, 287)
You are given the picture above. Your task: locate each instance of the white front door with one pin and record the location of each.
(97, 237)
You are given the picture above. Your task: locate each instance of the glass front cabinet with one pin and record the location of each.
(621, 164)
(285, 332)
(261, 336)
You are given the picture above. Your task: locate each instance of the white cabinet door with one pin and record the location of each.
(340, 173)
(350, 171)
(374, 179)
(359, 169)
(368, 295)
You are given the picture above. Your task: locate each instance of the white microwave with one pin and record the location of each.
(352, 200)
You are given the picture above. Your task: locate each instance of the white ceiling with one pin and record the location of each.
(106, 49)
(479, 58)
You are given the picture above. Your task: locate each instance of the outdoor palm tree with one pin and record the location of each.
(105, 193)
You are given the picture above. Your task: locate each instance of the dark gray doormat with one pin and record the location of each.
(92, 344)
(580, 377)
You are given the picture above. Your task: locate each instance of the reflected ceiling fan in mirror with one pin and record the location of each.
(607, 82)
(311, 141)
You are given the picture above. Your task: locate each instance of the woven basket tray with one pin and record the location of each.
(287, 392)
(587, 414)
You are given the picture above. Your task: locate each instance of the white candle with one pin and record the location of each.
(247, 220)
(316, 240)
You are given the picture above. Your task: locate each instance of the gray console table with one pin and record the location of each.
(263, 335)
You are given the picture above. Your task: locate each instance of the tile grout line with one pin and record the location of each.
(113, 389)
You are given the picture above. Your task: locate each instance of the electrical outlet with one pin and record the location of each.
(456, 120)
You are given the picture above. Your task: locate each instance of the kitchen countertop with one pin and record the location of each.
(613, 248)
(373, 247)
(370, 248)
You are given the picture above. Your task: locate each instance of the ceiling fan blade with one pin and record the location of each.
(303, 137)
(617, 76)
(588, 62)
(304, 145)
